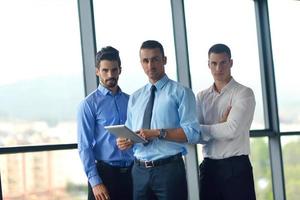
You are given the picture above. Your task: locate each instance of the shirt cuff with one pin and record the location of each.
(205, 132)
(192, 134)
(95, 180)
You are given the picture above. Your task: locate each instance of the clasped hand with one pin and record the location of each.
(124, 143)
(149, 134)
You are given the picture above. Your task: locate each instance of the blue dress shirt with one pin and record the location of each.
(174, 107)
(99, 109)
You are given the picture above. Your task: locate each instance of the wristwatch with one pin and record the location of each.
(162, 133)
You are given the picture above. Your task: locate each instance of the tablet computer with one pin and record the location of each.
(125, 132)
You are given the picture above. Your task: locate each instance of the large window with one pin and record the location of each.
(260, 160)
(41, 81)
(43, 175)
(291, 163)
(284, 20)
(124, 26)
(214, 21)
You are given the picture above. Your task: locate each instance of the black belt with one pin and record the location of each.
(155, 163)
(119, 163)
(120, 169)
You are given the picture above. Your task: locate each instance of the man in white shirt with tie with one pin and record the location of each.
(225, 112)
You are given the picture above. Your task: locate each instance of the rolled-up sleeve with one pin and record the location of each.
(188, 121)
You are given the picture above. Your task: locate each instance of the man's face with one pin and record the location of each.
(220, 66)
(153, 63)
(108, 73)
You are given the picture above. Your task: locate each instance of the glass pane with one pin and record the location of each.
(215, 21)
(128, 26)
(43, 176)
(284, 17)
(291, 163)
(38, 103)
(260, 161)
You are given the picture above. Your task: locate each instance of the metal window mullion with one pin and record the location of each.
(88, 44)
(183, 74)
(270, 97)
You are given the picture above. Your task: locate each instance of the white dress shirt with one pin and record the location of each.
(230, 138)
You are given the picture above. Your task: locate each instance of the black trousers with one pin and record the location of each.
(227, 179)
(117, 180)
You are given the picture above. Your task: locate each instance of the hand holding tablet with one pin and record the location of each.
(125, 132)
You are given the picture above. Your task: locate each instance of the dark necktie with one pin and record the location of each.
(148, 110)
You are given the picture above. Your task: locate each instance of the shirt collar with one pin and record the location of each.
(228, 86)
(106, 91)
(159, 84)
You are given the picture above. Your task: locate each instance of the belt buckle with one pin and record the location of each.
(149, 164)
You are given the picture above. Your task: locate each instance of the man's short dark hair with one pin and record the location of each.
(153, 44)
(108, 53)
(220, 48)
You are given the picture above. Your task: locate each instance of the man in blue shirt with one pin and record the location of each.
(108, 168)
(159, 169)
